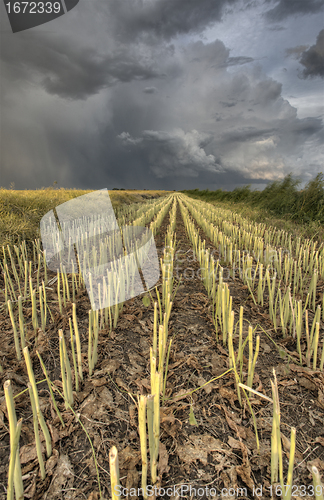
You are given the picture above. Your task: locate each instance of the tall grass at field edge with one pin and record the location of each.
(281, 198)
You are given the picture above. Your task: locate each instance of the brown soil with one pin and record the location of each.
(219, 452)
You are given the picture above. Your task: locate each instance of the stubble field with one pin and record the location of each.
(237, 300)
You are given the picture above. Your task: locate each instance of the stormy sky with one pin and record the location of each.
(164, 94)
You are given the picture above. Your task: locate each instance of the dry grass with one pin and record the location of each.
(21, 211)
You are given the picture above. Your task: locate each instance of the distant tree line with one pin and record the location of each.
(279, 197)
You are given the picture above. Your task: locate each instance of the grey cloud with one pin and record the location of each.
(286, 8)
(299, 130)
(227, 104)
(233, 61)
(197, 130)
(91, 76)
(127, 140)
(211, 56)
(266, 91)
(296, 51)
(72, 71)
(247, 133)
(276, 28)
(181, 137)
(313, 58)
(165, 18)
(150, 90)
(308, 127)
(176, 152)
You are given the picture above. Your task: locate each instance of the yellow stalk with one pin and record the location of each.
(90, 344)
(322, 357)
(318, 486)
(34, 311)
(114, 473)
(143, 440)
(155, 331)
(156, 418)
(36, 432)
(45, 303)
(150, 426)
(77, 340)
(11, 289)
(17, 477)
(59, 291)
(250, 337)
(161, 347)
(299, 327)
(6, 291)
(16, 338)
(315, 344)
(45, 267)
(308, 353)
(63, 285)
(13, 459)
(153, 369)
(41, 306)
(26, 278)
(289, 484)
(315, 320)
(276, 451)
(38, 270)
(254, 359)
(74, 358)
(50, 388)
(21, 322)
(240, 351)
(166, 371)
(68, 370)
(67, 286)
(274, 440)
(96, 337)
(233, 362)
(39, 413)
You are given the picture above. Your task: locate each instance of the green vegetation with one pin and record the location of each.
(279, 199)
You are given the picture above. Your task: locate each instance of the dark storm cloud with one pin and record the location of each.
(72, 71)
(217, 132)
(313, 58)
(155, 112)
(308, 127)
(298, 129)
(286, 8)
(165, 18)
(175, 152)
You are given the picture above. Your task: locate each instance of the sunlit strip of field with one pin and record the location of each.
(22, 210)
